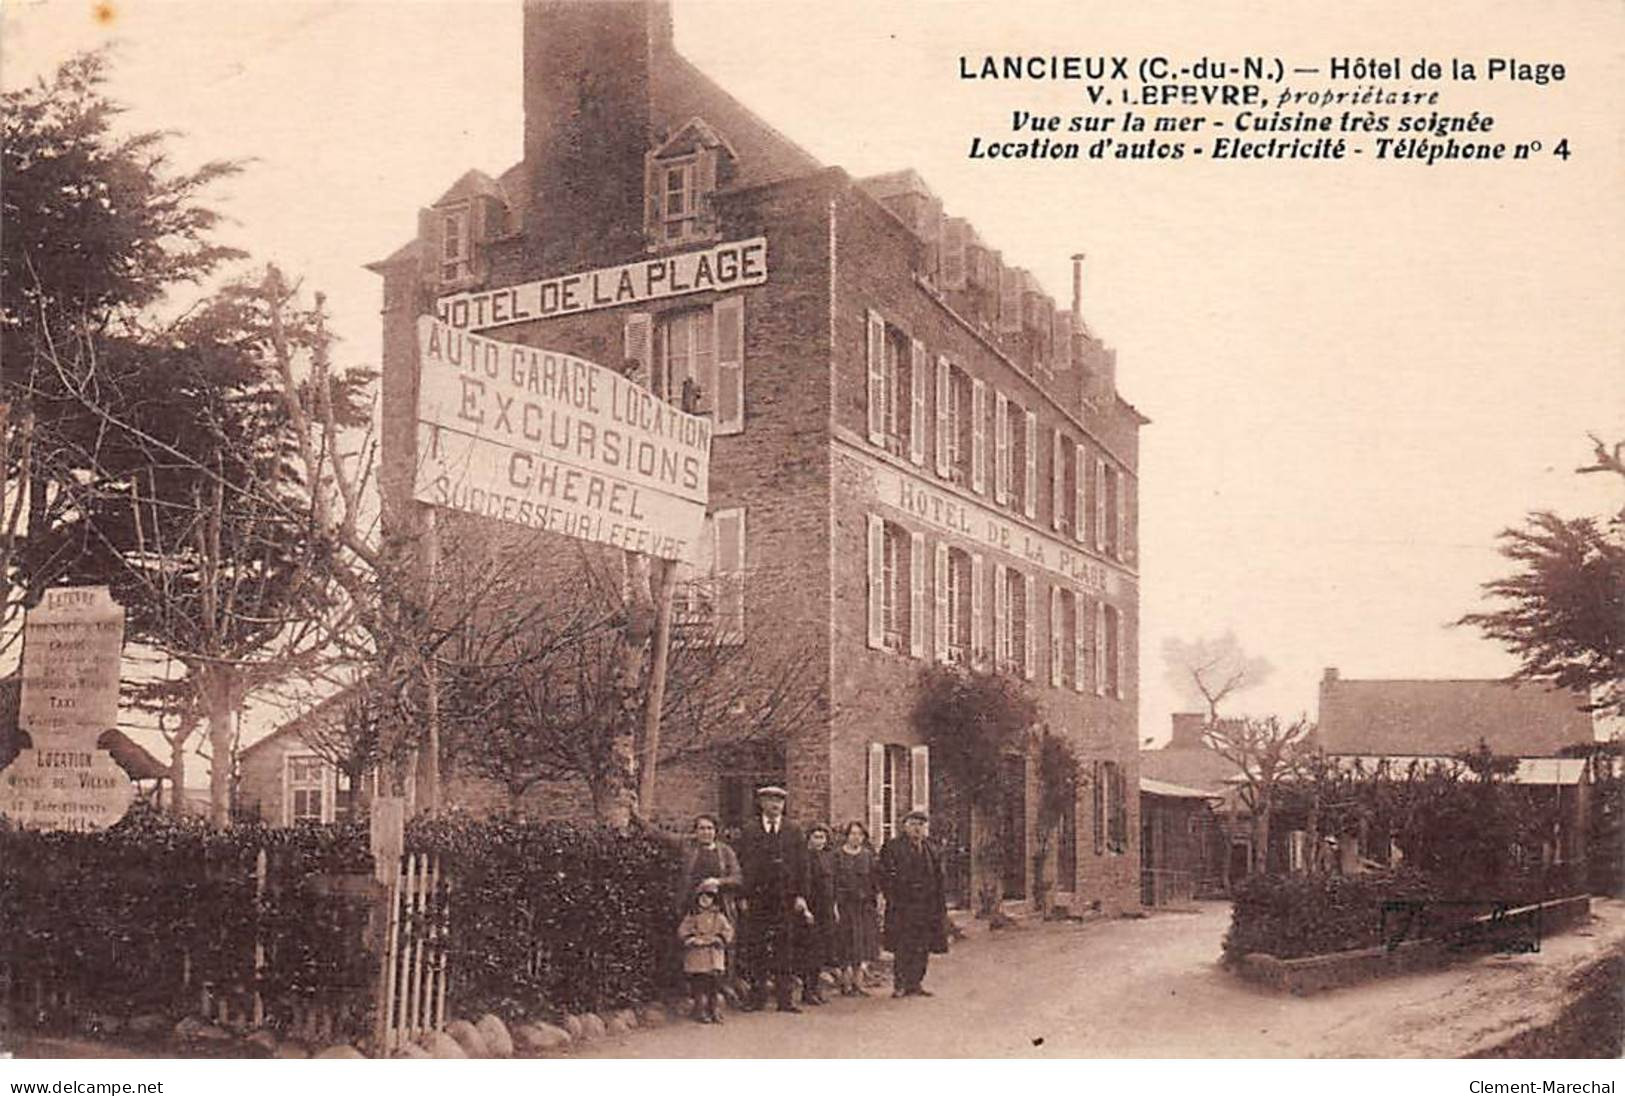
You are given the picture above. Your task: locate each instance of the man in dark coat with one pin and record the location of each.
(773, 909)
(916, 910)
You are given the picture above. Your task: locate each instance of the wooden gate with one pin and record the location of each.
(412, 981)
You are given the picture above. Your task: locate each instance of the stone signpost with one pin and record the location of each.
(71, 649)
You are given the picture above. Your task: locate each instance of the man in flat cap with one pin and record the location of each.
(772, 858)
(916, 909)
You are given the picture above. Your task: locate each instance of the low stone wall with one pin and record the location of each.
(1518, 929)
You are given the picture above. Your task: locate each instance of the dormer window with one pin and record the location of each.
(457, 250)
(683, 174)
(679, 215)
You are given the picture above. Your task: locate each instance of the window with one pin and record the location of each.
(306, 780)
(1113, 531)
(1114, 651)
(457, 245)
(679, 213)
(1020, 443)
(702, 345)
(896, 588)
(1111, 809)
(687, 352)
(899, 782)
(1015, 642)
(956, 606)
(1064, 664)
(712, 603)
(1100, 649)
(897, 382)
(1001, 448)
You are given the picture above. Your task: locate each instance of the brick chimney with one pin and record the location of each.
(1188, 727)
(587, 127)
(1329, 677)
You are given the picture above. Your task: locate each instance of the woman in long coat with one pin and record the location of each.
(818, 942)
(857, 932)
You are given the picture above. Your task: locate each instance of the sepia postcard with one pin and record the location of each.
(687, 529)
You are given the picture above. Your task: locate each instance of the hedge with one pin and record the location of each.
(541, 916)
(141, 917)
(1292, 916)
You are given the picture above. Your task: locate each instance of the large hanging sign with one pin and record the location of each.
(724, 267)
(551, 441)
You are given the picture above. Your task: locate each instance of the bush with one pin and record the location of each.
(1294, 916)
(140, 917)
(551, 913)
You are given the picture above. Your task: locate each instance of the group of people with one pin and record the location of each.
(788, 905)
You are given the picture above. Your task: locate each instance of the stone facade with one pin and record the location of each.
(885, 364)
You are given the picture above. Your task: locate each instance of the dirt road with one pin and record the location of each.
(1151, 988)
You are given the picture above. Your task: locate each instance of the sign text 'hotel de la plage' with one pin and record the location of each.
(72, 643)
(551, 441)
(724, 267)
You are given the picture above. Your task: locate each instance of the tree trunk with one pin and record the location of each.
(1261, 838)
(221, 708)
(616, 798)
(177, 763)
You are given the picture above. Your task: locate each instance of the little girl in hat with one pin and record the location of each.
(706, 934)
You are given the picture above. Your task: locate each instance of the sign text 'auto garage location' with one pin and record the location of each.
(555, 442)
(723, 267)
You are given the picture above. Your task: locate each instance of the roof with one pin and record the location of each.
(1199, 768)
(327, 708)
(1531, 771)
(1445, 717)
(1173, 791)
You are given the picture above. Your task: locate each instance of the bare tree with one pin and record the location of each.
(1266, 753)
(1207, 671)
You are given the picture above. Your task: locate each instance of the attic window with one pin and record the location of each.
(679, 212)
(456, 255)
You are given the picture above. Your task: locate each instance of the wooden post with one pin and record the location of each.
(430, 775)
(662, 653)
(260, 866)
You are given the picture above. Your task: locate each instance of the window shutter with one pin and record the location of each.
(877, 576)
(730, 573)
(939, 618)
(1029, 589)
(919, 778)
(954, 238)
(1029, 493)
(917, 368)
(877, 379)
(1100, 648)
(1121, 667)
(916, 595)
(877, 792)
(1057, 486)
(1001, 616)
(638, 345)
(978, 637)
(1131, 520)
(1001, 448)
(1080, 642)
(1055, 635)
(942, 415)
(1080, 490)
(978, 436)
(1100, 505)
(1097, 778)
(729, 397)
(1119, 493)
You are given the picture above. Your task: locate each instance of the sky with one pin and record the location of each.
(1356, 373)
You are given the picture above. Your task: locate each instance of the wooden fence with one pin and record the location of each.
(413, 970)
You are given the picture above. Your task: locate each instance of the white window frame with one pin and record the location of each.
(456, 241)
(324, 784)
(675, 228)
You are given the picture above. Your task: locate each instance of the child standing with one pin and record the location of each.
(706, 934)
